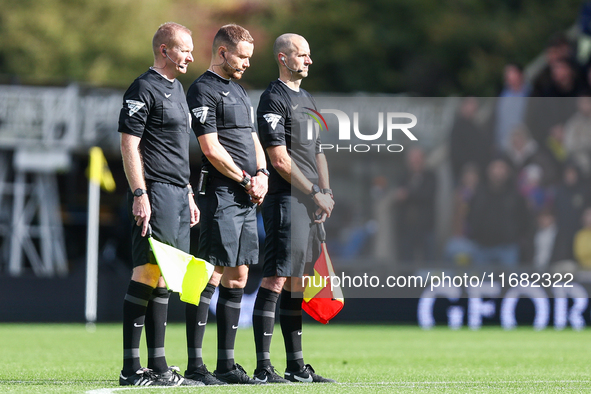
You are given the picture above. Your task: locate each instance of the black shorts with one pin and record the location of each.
(170, 221)
(291, 239)
(228, 236)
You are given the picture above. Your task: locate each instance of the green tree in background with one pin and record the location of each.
(426, 47)
(99, 42)
(423, 46)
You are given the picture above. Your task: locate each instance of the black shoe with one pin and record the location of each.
(235, 376)
(201, 374)
(141, 377)
(306, 375)
(172, 377)
(268, 375)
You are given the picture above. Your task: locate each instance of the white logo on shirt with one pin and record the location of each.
(272, 119)
(200, 113)
(167, 95)
(134, 106)
(226, 93)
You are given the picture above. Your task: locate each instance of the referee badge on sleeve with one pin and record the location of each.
(272, 119)
(200, 113)
(134, 106)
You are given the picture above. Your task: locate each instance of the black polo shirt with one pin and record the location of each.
(282, 117)
(155, 110)
(222, 106)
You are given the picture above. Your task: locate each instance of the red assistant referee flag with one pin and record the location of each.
(323, 299)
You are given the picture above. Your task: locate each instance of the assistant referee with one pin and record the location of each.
(155, 127)
(299, 192)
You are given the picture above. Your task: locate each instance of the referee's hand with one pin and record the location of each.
(259, 185)
(320, 216)
(195, 214)
(325, 203)
(141, 212)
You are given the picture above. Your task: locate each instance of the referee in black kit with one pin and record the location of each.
(233, 181)
(155, 128)
(299, 195)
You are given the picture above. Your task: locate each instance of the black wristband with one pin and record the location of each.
(315, 189)
(190, 189)
(327, 191)
(264, 171)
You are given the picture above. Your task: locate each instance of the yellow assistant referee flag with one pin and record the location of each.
(182, 272)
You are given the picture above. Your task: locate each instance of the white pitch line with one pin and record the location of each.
(113, 390)
(462, 382)
(395, 384)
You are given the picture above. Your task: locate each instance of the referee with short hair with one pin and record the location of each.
(155, 128)
(299, 195)
(233, 181)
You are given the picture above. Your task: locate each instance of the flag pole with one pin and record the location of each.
(94, 196)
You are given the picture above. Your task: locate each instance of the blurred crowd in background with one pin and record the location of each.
(521, 171)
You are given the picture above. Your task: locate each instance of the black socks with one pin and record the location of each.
(134, 313)
(290, 319)
(156, 316)
(228, 314)
(263, 322)
(196, 317)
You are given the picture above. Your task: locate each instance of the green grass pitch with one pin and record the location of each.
(66, 358)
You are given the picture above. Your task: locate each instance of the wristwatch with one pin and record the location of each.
(315, 189)
(246, 180)
(139, 191)
(264, 171)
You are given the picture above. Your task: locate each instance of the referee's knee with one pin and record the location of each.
(235, 277)
(273, 283)
(148, 274)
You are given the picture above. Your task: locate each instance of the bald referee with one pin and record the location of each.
(298, 192)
